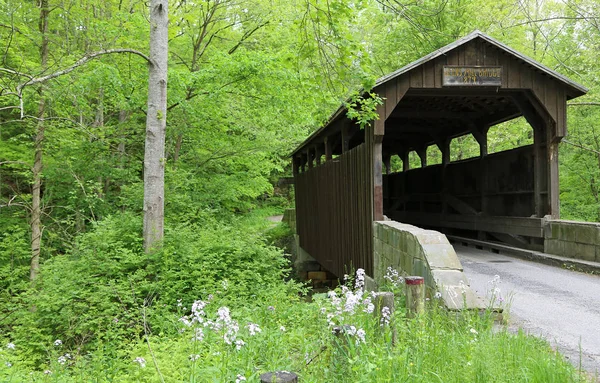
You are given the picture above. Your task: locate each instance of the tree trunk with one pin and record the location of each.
(154, 154)
(36, 210)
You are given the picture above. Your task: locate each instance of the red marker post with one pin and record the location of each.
(415, 296)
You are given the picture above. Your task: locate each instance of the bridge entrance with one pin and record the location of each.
(346, 179)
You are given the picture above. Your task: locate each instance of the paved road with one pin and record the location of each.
(560, 305)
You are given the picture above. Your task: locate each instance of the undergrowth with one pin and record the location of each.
(214, 306)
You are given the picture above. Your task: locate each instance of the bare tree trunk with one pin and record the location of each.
(36, 210)
(154, 154)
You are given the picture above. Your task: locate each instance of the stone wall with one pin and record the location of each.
(580, 240)
(289, 217)
(426, 253)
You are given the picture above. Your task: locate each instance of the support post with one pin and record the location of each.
(328, 153)
(405, 162)
(345, 138)
(553, 189)
(296, 165)
(422, 152)
(377, 179)
(387, 163)
(415, 296)
(318, 154)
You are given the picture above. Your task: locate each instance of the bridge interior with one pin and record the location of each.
(499, 196)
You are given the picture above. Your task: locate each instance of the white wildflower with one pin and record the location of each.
(194, 357)
(8, 364)
(198, 334)
(239, 344)
(141, 361)
(438, 295)
(10, 346)
(473, 331)
(385, 316)
(360, 279)
(47, 372)
(240, 378)
(62, 359)
(360, 336)
(282, 328)
(253, 329)
(57, 342)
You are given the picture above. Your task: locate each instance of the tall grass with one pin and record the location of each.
(285, 332)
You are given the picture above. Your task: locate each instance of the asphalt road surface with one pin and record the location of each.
(560, 305)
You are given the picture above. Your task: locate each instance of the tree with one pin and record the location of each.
(156, 126)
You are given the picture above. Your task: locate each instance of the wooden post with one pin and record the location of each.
(296, 165)
(422, 152)
(318, 154)
(328, 154)
(387, 163)
(415, 296)
(553, 190)
(405, 162)
(310, 155)
(279, 377)
(345, 138)
(377, 179)
(384, 299)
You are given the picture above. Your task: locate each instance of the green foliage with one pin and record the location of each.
(363, 108)
(96, 293)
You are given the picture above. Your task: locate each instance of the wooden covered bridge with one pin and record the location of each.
(344, 180)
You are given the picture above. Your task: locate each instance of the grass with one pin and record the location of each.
(296, 336)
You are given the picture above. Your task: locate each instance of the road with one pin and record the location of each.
(560, 305)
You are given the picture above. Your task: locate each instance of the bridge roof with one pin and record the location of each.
(571, 88)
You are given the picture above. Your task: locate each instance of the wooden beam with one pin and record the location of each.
(529, 227)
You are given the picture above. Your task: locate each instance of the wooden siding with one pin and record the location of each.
(334, 214)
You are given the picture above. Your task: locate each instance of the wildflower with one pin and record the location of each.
(57, 342)
(360, 279)
(141, 361)
(393, 276)
(179, 304)
(282, 328)
(225, 284)
(239, 344)
(198, 335)
(240, 378)
(10, 346)
(62, 359)
(473, 331)
(186, 322)
(438, 295)
(360, 336)
(385, 316)
(47, 372)
(253, 328)
(8, 364)
(271, 308)
(194, 357)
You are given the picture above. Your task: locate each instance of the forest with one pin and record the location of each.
(86, 292)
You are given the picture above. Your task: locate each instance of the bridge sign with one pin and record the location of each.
(472, 75)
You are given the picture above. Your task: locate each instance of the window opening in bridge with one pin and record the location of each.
(414, 160)
(509, 135)
(463, 147)
(434, 155)
(395, 164)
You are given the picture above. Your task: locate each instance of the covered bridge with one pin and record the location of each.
(344, 181)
